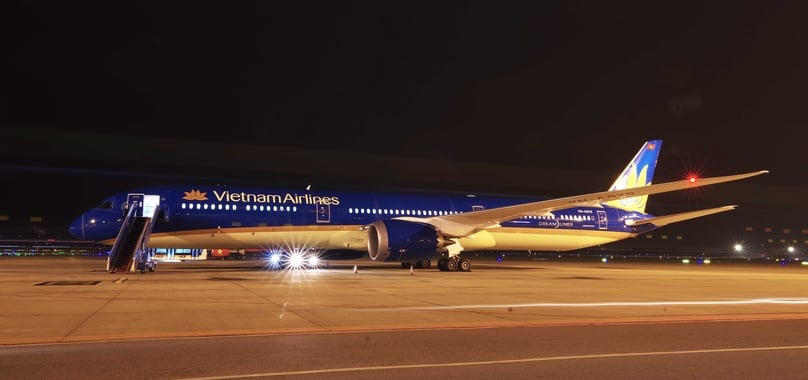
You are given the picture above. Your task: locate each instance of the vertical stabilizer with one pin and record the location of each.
(639, 172)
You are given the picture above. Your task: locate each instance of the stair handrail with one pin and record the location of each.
(113, 253)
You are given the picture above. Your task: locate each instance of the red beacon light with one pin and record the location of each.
(692, 176)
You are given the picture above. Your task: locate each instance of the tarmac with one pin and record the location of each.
(74, 299)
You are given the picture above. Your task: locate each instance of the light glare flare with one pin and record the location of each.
(296, 260)
(314, 261)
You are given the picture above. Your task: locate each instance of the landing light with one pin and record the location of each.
(275, 259)
(295, 260)
(313, 261)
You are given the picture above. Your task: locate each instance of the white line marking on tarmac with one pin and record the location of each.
(499, 362)
(780, 301)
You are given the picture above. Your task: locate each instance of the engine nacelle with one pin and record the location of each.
(398, 240)
(340, 254)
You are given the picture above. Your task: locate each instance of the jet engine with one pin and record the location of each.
(340, 254)
(399, 240)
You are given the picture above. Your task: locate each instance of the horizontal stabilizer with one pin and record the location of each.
(660, 221)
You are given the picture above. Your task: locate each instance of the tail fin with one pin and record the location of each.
(639, 172)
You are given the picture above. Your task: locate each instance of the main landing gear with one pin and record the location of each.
(454, 263)
(445, 264)
(419, 264)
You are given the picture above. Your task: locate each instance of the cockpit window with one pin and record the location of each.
(106, 205)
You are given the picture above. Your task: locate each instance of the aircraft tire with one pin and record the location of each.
(451, 265)
(465, 265)
(442, 264)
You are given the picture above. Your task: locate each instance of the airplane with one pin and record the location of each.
(296, 225)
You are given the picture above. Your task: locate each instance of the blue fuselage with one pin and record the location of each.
(254, 218)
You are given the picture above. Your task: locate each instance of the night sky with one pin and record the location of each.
(100, 95)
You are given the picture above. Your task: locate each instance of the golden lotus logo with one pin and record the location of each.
(633, 179)
(195, 195)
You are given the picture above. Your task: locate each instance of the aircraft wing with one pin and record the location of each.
(458, 225)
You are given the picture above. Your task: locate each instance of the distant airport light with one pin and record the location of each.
(790, 249)
(738, 248)
(685, 261)
(692, 179)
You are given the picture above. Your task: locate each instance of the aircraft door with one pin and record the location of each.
(602, 220)
(323, 213)
(133, 199)
(163, 214)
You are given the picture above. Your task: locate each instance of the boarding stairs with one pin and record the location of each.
(129, 252)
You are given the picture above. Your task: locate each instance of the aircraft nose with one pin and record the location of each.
(76, 228)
